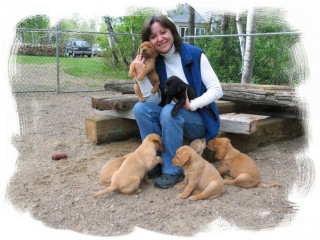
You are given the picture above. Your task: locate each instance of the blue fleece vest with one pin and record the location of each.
(190, 58)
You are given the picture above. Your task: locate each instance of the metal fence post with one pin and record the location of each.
(57, 56)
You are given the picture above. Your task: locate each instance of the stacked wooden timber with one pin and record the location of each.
(250, 114)
(269, 95)
(38, 50)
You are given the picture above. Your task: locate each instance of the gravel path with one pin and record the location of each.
(60, 193)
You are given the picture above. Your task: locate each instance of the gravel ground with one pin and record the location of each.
(60, 193)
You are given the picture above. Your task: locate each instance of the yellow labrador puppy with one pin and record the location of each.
(241, 169)
(109, 168)
(135, 167)
(201, 178)
(199, 145)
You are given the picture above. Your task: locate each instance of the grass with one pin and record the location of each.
(90, 68)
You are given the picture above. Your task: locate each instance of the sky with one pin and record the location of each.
(301, 14)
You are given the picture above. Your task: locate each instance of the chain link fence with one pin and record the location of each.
(41, 60)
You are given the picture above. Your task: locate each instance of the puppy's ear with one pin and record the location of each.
(158, 142)
(221, 153)
(222, 148)
(210, 144)
(155, 52)
(185, 157)
(181, 86)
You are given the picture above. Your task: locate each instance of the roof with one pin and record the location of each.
(182, 15)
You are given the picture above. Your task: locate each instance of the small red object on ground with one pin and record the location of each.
(59, 156)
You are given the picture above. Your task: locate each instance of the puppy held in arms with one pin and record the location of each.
(240, 168)
(176, 89)
(202, 180)
(135, 167)
(149, 53)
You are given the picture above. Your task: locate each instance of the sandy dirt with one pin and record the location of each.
(60, 193)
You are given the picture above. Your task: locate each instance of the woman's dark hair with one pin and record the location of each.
(165, 22)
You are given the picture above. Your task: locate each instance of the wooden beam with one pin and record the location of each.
(229, 122)
(117, 113)
(232, 122)
(127, 101)
(123, 86)
(271, 95)
(228, 106)
(269, 130)
(103, 129)
(240, 123)
(124, 102)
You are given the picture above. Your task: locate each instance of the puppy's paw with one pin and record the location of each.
(228, 182)
(160, 160)
(138, 191)
(183, 195)
(194, 198)
(140, 76)
(227, 177)
(180, 187)
(147, 180)
(131, 75)
(154, 89)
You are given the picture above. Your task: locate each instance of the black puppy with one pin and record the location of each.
(175, 88)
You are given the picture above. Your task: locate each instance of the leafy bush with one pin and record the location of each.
(225, 57)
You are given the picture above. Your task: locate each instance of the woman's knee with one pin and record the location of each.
(146, 110)
(138, 108)
(166, 117)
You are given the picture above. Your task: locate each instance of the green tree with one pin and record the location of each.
(34, 22)
(129, 42)
(77, 23)
(273, 61)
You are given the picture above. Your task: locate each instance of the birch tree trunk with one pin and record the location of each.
(249, 48)
(113, 42)
(134, 51)
(111, 39)
(36, 27)
(240, 32)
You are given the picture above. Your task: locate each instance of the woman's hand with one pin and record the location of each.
(139, 64)
(187, 104)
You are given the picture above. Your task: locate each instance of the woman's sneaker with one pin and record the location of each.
(167, 180)
(155, 172)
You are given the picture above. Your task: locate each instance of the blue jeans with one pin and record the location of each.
(152, 118)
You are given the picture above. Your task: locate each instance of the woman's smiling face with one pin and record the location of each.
(161, 37)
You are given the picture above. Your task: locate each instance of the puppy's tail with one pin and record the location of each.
(107, 190)
(267, 185)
